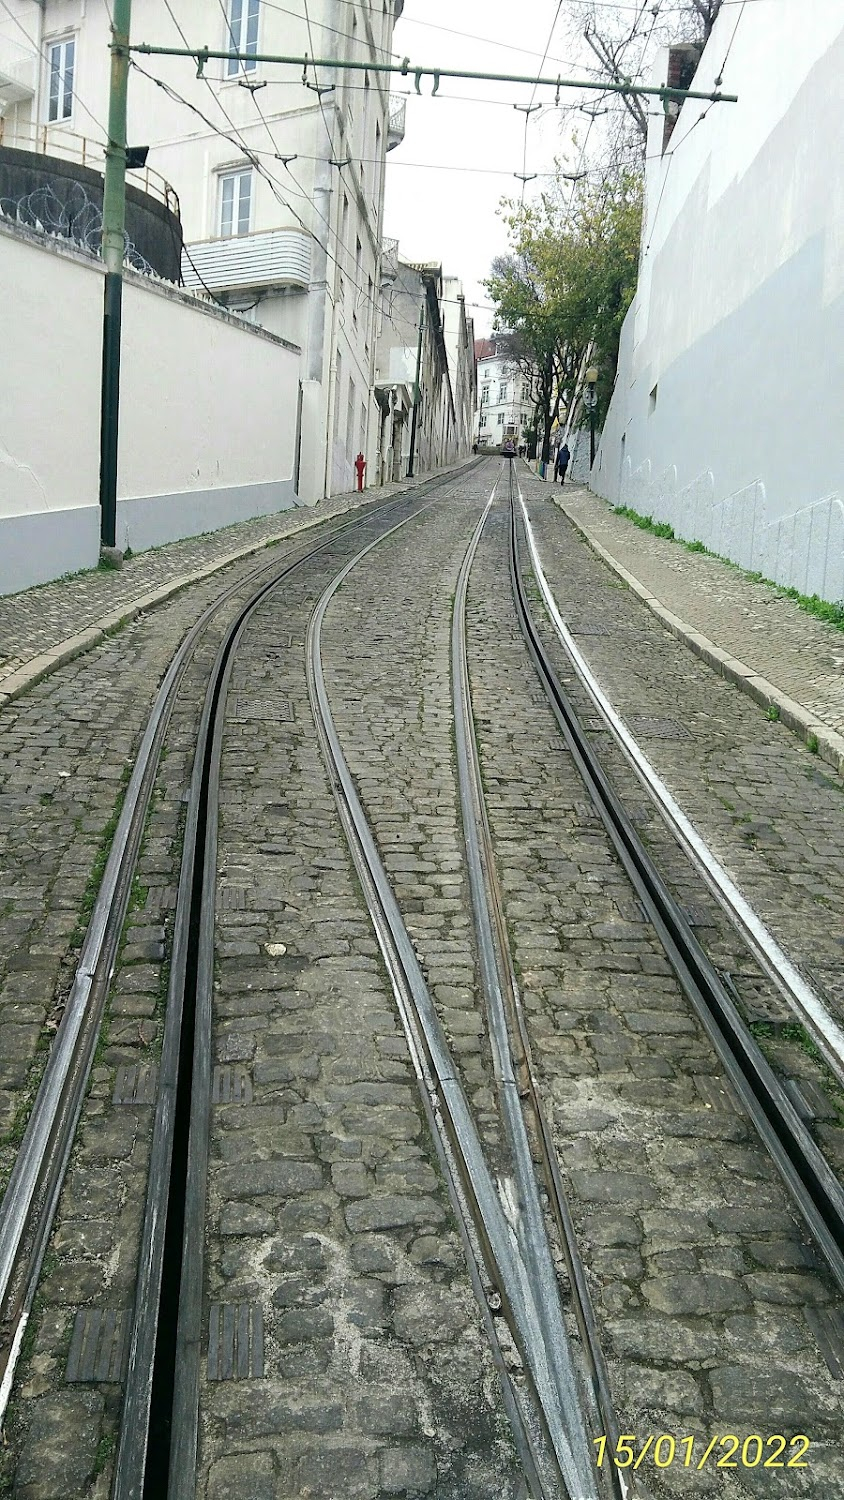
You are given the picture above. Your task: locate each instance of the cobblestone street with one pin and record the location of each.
(356, 1341)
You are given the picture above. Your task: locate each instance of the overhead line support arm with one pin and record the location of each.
(202, 55)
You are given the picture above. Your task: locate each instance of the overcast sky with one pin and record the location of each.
(461, 149)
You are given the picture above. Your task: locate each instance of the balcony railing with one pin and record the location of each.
(389, 260)
(51, 140)
(395, 120)
(275, 257)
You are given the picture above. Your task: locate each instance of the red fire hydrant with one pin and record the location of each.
(360, 469)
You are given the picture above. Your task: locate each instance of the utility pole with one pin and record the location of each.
(114, 218)
(413, 419)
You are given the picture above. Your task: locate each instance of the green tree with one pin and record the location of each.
(562, 291)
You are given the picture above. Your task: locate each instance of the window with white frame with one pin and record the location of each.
(500, 419)
(241, 35)
(484, 394)
(61, 59)
(502, 390)
(235, 203)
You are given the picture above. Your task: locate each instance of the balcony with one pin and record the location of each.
(17, 72)
(274, 258)
(389, 260)
(395, 120)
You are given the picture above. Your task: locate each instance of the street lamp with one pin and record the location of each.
(590, 401)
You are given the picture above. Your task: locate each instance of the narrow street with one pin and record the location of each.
(428, 1135)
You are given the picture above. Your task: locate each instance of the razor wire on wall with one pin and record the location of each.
(75, 218)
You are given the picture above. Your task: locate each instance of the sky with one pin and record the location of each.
(471, 132)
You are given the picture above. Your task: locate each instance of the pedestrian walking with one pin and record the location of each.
(562, 463)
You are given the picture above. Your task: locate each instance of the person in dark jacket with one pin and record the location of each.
(562, 463)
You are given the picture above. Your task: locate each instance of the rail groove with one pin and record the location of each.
(32, 1194)
(515, 1077)
(812, 1184)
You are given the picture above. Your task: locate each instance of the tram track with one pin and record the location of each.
(34, 1188)
(516, 1233)
(811, 1182)
(509, 1260)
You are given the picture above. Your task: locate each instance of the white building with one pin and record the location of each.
(418, 297)
(726, 416)
(279, 174)
(505, 408)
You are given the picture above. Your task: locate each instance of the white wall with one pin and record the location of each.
(207, 414)
(337, 312)
(726, 416)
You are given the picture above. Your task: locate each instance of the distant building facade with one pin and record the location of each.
(424, 326)
(504, 406)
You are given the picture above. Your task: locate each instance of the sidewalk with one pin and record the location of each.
(747, 631)
(43, 627)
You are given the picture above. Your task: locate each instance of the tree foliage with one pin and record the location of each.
(563, 289)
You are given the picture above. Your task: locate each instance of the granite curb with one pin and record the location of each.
(40, 666)
(830, 744)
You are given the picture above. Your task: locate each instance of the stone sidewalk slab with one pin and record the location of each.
(746, 631)
(43, 627)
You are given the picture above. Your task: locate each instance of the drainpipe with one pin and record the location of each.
(415, 416)
(114, 216)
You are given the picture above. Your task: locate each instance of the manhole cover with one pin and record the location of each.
(271, 710)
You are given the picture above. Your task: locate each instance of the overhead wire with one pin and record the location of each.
(253, 157)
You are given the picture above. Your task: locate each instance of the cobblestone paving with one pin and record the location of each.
(392, 688)
(66, 745)
(38, 619)
(772, 814)
(61, 1433)
(327, 1205)
(65, 749)
(800, 654)
(701, 1274)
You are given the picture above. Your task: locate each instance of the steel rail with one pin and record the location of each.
(512, 1058)
(32, 1194)
(444, 1096)
(31, 1198)
(502, 1005)
(162, 1380)
(809, 1179)
(794, 988)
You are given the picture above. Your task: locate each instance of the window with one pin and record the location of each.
(235, 203)
(502, 390)
(484, 394)
(525, 390)
(62, 56)
(241, 34)
(500, 419)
